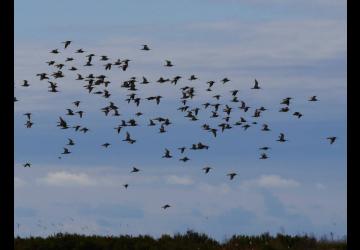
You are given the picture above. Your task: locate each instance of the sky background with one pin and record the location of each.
(294, 48)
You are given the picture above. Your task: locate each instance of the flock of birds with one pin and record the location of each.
(217, 110)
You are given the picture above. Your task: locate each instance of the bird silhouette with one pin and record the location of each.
(264, 148)
(207, 169)
(256, 85)
(128, 138)
(282, 138)
(71, 142)
(28, 115)
(313, 99)
(167, 154)
(66, 44)
(145, 47)
(298, 114)
(184, 159)
(331, 139)
(27, 165)
(231, 175)
(168, 63)
(66, 151)
(263, 156)
(134, 170)
(25, 83)
(166, 206)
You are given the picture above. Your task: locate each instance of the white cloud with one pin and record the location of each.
(18, 182)
(178, 180)
(66, 179)
(276, 181)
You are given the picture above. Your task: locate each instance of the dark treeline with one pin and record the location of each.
(189, 241)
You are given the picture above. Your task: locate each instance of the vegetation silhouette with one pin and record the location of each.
(190, 240)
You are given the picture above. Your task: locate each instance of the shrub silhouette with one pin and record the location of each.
(190, 240)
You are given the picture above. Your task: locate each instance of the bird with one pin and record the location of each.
(331, 139)
(67, 43)
(234, 92)
(80, 112)
(168, 63)
(70, 112)
(263, 156)
(286, 101)
(285, 109)
(256, 85)
(185, 159)
(145, 47)
(71, 142)
(264, 148)
(313, 99)
(193, 77)
(118, 129)
(25, 83)
(231, 175)
(166, 206)
(55, 51)
(28, 124)
(66, 151)
(298, 114)
(213, 131)
(28, 115)
(182, 149)
(145, 81)
(225, 80)
(84, 129)
(282, 138)
(128, 138)
(167, 154)
(126, 185)
(134, 170)
(265, 127)
(207, 169)
(27, 165)
(106, 145)
(50, 63)
(76, 103)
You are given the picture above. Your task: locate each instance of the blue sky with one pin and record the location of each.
(293, 49)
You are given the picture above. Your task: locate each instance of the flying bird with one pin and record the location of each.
(167, 154)
(67, 43)
(28, 115)
(298, 114)
(185, 159)
(66, 151)
(145, 47)
(207, 169)
(71, 142)
(313, 99)
(27, 165)
(134, 170)
(166, 206)
(168, 63)
(256, 85)
(282, 138)
(263, 156)
(331, 139)
(232, 175)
